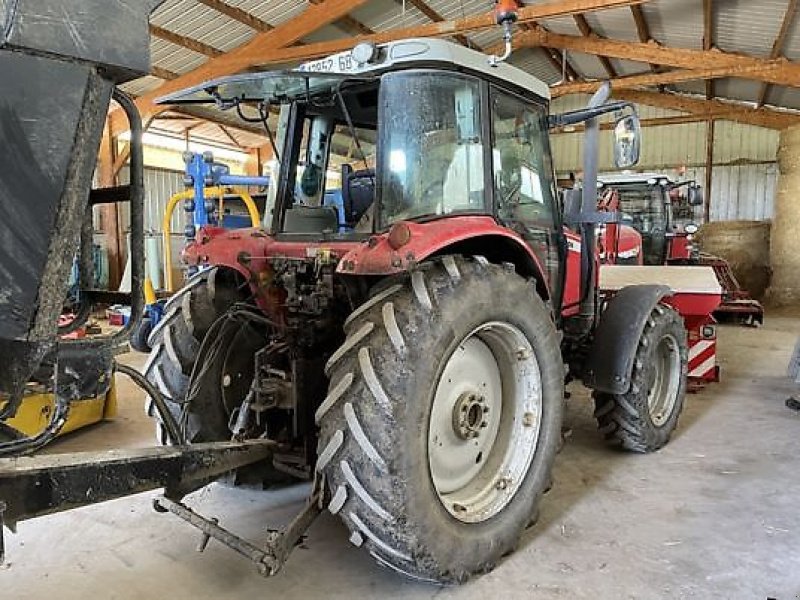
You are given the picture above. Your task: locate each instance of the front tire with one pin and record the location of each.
(643, 418)
(433, 367)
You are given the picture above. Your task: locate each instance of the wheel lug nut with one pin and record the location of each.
(483, 424)
(485, 409)
(523, 354)
(528, 419)
(502, 483)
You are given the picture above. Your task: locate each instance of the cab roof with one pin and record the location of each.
(429, 51)
(325, 72)
(630, 178)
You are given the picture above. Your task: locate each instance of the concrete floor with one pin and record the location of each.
(713, 515)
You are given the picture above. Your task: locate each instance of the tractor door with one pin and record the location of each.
(524, 181)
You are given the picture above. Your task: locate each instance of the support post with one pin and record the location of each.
(709, 170)
(109, 215)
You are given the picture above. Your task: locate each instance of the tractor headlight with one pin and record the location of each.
(364, 52)
(691, 228)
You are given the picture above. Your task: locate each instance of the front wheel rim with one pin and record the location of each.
(663, 393)
(485, 421)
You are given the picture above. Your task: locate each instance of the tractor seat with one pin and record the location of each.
(358, 193)
(311, 219)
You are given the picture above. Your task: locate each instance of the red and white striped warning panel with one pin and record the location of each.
(703, 358)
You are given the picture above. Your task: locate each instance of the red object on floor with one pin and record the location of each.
(66, 319)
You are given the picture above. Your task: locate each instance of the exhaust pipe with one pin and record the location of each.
(591, 151)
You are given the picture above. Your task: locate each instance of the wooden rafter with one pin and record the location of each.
(229, 135)
(354, 26)
(164, 74)
(642, 29)
(469, 24)
(561, 64)
(777, 46)
(185, 42)
(708, 39)
(661, 78)
(237, 14)
(558, 59)
(434, 16)
(314, 17)
(586, 31)
(713, 109)
(778, 71)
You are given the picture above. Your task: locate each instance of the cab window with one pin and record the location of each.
(521, 167)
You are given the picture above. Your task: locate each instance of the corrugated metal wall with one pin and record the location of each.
(159, 186)
(744, 175)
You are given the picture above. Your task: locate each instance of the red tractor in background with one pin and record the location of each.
(654, 205)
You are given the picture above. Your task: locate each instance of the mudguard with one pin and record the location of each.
(609, 364)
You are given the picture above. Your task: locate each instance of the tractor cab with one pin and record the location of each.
(405, 130)
(411, 132)
(653, 205)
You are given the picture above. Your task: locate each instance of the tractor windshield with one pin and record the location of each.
(646, 207)
(431, 159)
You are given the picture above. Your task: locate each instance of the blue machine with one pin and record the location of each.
(203, 172)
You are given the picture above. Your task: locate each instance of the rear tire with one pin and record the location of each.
(387, 414)
(175, 342)
(643, 418)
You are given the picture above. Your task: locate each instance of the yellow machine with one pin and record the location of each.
(210, 192)
(37, 407)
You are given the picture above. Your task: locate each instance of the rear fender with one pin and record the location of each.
(467, 235)
(609, 364)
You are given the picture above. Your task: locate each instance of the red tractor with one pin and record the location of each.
(653, 204)
(410, 351)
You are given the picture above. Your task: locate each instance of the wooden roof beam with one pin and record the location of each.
(650, 79)
(713, 109)
(354, 26)
(434, 16)
(780, 71)
(643, 30)
(586, 31)
(777, 46)
(237, 14)
(469, 24)
(314, 17)
(229, 135)
(561, 64)
(164, 74)
(185, 42)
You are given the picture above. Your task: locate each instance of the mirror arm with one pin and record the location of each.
(584, 114)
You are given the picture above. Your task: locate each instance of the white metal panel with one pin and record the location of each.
(743, 192)
(675, 23)
(159, 186)
(748, 27)
(737, 142)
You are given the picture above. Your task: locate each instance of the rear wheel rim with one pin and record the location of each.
(485, 422)
(663, 393)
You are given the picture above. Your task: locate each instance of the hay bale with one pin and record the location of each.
(785, 242)
(745, 245)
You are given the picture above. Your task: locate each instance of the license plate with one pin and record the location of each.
(339, 63)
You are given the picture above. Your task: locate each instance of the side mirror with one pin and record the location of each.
(627, 141)
(694, 195)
